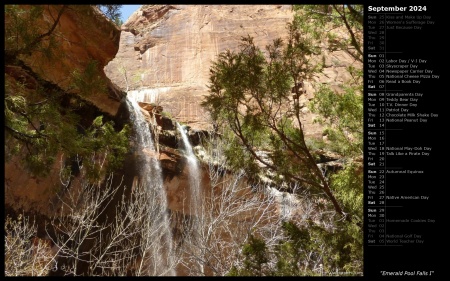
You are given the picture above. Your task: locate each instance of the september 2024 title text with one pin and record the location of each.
(397, 9)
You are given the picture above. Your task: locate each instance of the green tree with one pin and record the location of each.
(255, 93)
(253, 96)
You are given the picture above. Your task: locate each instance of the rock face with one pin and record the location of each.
(166, 51)
(86, 35)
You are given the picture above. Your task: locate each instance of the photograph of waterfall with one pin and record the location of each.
(184, 140)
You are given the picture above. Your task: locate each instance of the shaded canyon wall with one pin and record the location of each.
(84, 35)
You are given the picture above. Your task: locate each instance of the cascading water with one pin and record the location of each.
(195, 204)
(158, 236)
(148, 95)
(194, 171)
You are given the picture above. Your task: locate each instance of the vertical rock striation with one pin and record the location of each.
(171, 47)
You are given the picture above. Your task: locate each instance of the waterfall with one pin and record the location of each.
(148, 95)
(156, 233)
(195, 204)
(193, 169)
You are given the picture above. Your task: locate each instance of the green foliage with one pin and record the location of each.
(251, 94)
(56, 130)
(343, 250)
(26, 32)
(315, 144)
(89, 81)
(238, 157)
(343, 116)
(112, 12)
(167, 114)
(35, 128)
(290, 253)
(38, 126)
(118, 21)
(348, 185)
(103, 140)
(324, 22)
(308, 250)
(255, 257)
(20, 30)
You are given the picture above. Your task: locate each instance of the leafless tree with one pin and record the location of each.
(226, 212)
(105, 228)
(25, 253)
